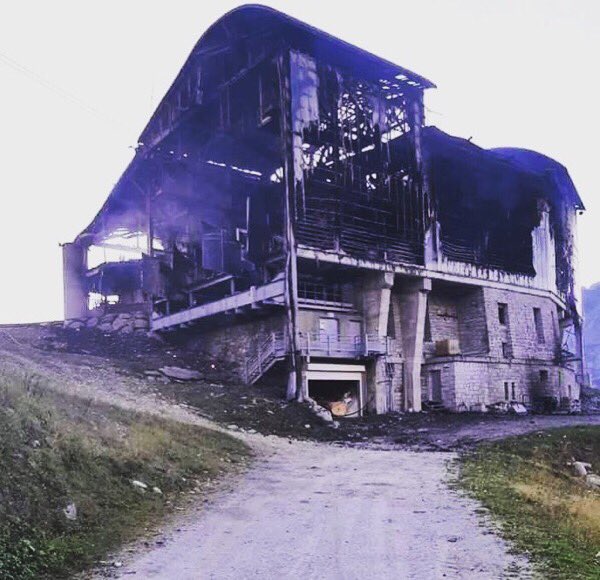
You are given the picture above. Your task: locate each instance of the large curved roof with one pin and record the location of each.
(544, 167)
(256, 17)
(252, 20)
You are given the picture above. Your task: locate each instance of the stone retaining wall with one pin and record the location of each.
(123, 323)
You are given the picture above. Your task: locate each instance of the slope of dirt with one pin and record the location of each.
(361, 507)
(114, 367)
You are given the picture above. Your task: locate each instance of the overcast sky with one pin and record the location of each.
(79, 80)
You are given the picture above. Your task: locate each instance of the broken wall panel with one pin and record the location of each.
(352, 194)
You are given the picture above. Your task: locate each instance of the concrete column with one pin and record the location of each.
(75, 290)
(412, 304)
(376, 296)
(376, 302)
(379, 387)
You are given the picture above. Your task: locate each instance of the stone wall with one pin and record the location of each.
(521, 325)
(470, 384)
(477, 376)
(236, 339)
(472, 323)
(122, 323)
(443, 316)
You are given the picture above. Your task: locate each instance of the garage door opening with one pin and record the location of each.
(342, 398)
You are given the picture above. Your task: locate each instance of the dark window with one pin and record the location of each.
(543, 377)
(391, 325)
(427, 335)
(539, 325)
(513, 389)
(506, 350)
(502, 313)
(506, 391)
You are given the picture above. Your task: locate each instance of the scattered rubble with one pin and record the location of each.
(139, 484)
(123, 323)
(70, 512)
(517, 409)
(584, 470)
(180, 374)
(593, 480)
(319, 411)
(580, 468)
(590, 400)
(222, 398)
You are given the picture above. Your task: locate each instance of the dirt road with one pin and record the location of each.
(307, 510)
(320, 511)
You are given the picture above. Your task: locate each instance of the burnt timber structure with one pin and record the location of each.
(288, 209)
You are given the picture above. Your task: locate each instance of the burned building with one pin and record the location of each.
(288, 209)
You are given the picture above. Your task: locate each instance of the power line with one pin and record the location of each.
(58, 90)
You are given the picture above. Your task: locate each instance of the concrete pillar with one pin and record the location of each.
(75, 290)
(376, 302)
(379, 387)
(412, 305)
(376, 294)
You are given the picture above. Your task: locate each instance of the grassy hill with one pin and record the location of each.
(67, 467)
(543, 508)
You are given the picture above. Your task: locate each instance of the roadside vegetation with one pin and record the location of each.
(67, 467)
(543, 508)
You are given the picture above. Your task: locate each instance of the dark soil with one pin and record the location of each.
(221, 397)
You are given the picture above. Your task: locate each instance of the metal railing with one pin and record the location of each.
(316, 344)
(322, 344)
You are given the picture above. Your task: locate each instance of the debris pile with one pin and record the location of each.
(507, 408)
(584, 470)
(180, 374)
(590, 400)
(123, 323)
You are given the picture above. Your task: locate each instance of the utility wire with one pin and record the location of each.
(56, 89)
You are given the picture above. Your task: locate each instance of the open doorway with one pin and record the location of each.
(341, 397)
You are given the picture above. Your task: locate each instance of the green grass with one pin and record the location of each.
(56, 450)
(543, 509)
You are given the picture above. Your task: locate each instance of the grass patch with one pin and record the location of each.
(57, 450)
(543, 509)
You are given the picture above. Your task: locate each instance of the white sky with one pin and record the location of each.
(79, 80)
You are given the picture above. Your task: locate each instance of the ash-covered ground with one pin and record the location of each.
(219, 397)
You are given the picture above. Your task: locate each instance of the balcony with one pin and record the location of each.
(315, 344)
(319, 344)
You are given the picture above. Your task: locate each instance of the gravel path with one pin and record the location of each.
(308, 510)
(320, 511)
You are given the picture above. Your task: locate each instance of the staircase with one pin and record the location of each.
(271, 350)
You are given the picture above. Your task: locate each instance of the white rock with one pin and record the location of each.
(70, 512)
(593, 480)
(580, 468)
(157, 490)
(139, 484)
(518, 409)
(323, 413)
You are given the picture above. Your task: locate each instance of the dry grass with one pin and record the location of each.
(545, 510)
(56, 450)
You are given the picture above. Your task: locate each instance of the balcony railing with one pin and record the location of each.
(327, 345)
(275, 347)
